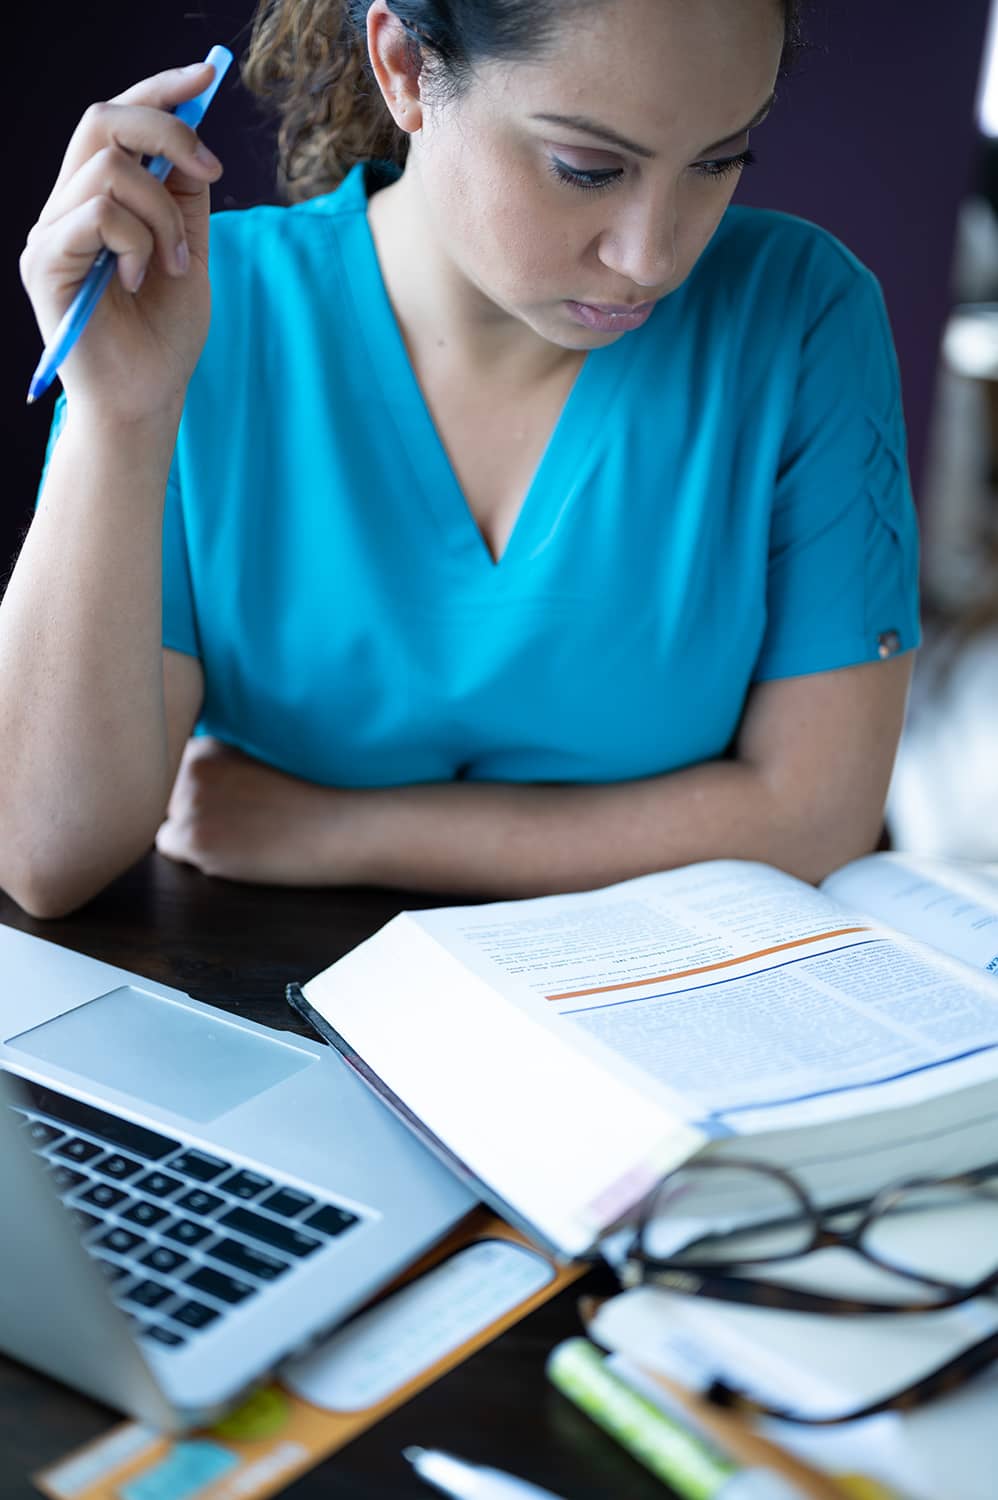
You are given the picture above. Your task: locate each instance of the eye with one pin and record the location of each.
(588, 182)
(724, 165)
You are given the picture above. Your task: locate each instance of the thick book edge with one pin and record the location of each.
(546, 1132)
(296, 999)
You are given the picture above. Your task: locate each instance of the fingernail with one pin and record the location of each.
(192, 68)
(182, 256)
(205, 157)
(138, 279)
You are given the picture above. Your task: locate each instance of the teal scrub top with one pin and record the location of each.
(724, 500)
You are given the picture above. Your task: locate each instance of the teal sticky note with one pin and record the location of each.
(187, 1468)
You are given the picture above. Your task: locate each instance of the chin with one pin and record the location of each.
(571, 336)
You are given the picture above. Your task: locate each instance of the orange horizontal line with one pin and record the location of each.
(725, 963)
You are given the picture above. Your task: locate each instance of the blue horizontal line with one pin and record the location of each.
(847, 1088)
(713, 984)
(844, 1088)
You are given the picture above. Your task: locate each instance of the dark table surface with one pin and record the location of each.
(237, 947)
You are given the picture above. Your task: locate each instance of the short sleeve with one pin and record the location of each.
(842, 584)
(179, 619)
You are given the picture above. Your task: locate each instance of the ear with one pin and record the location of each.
(396, 64)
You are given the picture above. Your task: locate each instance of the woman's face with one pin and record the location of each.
(594, 177)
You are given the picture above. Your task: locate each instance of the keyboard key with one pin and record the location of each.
(65, 1178)
(146, 1214)
(199, 1165)
(244, 1184)
(119, 1167)
(148, 1294)
(194, 1314)
(200, 1201)
(103, 1195)
(187, 1232)
(121, 1241)
(287, 1202)
(40, 1134)
(254, 1262)
(162, 1335)
(270, 1232)
(223, 1288)
(112, 1128)
(331, 1220)
(108, 1268)
(77, 1149)
(161, 1258)
(158, 1184)
(85, 1222)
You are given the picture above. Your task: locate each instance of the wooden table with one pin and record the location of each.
(236, 947)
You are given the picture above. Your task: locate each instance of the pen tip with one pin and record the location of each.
(31, 399)
(413, 1453)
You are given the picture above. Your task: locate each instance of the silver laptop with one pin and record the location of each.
(188, 1198)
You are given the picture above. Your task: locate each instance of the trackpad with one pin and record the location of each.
(192, 1064)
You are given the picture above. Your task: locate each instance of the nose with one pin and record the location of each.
(640, 244)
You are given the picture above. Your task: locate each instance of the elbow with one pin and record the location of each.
(815, 830)
(45, 895)
(828, 845)
(48, 883)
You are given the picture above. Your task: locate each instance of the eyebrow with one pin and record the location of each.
(603, 133)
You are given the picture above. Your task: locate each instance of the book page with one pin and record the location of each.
(736, 986)
(950, 904)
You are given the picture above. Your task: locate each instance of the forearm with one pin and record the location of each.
(805, 792)
(82, 724)
(496, 840)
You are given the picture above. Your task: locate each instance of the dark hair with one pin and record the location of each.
(307, 60)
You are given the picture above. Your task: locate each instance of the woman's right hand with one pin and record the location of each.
(138, 351)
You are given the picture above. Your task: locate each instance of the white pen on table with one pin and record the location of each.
(464, 1481)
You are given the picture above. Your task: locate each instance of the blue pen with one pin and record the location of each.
(77, 314)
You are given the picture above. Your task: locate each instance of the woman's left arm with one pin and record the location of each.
(804, 790)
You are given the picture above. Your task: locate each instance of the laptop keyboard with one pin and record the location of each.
(182, 1236)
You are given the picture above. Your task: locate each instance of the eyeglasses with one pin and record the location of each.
(710, 1222)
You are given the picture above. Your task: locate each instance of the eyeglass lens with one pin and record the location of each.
(947, 1233)
(725, 1214)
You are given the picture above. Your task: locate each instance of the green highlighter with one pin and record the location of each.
(687, 1462)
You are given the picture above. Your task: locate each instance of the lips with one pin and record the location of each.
(615, 308)
(610, 317)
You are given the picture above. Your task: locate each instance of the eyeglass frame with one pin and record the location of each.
(701, 1279)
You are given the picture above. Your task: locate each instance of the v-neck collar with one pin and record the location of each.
(577, 428)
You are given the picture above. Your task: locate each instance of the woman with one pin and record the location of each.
(533, 522)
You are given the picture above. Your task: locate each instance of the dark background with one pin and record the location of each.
(873, 137)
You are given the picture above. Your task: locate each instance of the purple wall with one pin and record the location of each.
(873, 138)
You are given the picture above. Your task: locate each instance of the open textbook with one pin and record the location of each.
(564, 1052)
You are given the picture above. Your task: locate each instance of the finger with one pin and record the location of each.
(167, 89)
(73, 242)
(140, 123)
(115, 175)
